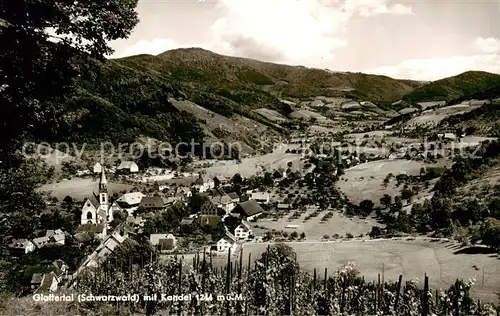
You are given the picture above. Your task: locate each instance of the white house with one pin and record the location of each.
(128, 165)
(226, 243)
(261, 197)
(97, 168)
(40, 242)
(203, 184)
(243, 231)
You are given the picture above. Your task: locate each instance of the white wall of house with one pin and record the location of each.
(241, 232)
(223, 245)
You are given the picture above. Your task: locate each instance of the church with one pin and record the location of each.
(96, 209)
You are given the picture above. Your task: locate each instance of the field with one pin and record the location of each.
(442, 261)
(315, 229)
(249, 166)
(364, 181)
(79, 188)
(433, 117)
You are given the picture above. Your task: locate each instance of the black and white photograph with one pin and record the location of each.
(250, 157)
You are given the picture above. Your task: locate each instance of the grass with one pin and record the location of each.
(364, 181)
(315, 229)
(249, 166)
(79, 188)
(412, 259)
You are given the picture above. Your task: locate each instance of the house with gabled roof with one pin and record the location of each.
(152, 203)
(219, 180)
(248, 210)
(226, 243)
(243, 230)
(129, 166)
(203, 184)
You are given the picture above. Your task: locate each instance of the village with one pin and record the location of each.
(307, 190)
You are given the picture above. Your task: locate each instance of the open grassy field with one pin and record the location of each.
(364, 181)
(315, 229)
(250, 166)
(442, 261)
(433, 117)
(80, 189)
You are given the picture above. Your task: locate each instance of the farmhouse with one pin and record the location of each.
(226, 243)
(130, 201)
(94, 231)
(152, 203)
(60, 269)
(208, 208)
(243, 231)
(248, 210)
(129, 166)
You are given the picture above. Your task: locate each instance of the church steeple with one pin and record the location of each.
(103, 183)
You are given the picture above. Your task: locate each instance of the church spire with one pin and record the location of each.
(103, 183)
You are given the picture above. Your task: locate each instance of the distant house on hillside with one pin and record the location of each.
(248, 210)
(97, 168)
(130, 166)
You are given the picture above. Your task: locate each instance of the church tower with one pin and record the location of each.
(103, 198)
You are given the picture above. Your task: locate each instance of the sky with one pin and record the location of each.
(407, 39)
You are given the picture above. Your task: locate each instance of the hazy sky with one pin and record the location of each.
(421, 40)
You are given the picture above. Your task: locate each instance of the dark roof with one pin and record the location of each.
(47, 280)
(248, 208)
(233, 195)
(36, 278)
(93, 199)
(83, 237)
(210, 220)
(152, 202)
(90, 228)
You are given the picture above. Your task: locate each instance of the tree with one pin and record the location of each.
(366, 207)
(386, 200)
(237, 179)
(38, 68)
